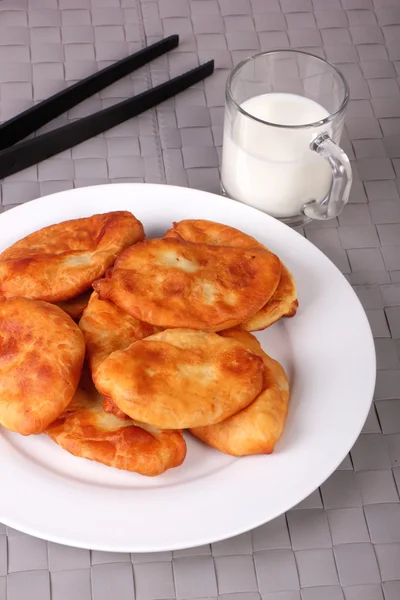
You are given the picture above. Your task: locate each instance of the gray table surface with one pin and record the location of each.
(343, 542)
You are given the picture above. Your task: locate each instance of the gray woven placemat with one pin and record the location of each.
(343, 542)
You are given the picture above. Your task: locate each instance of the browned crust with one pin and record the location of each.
(61, 261)
(41, 356)
(181, 378)
(85, 430)
(107, 328)
(283, 303)
(201, 231)
(257, 428)
(170, 283)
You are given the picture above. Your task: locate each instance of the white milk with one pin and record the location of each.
(273, 168)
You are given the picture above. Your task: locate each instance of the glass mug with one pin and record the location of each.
(284, 116)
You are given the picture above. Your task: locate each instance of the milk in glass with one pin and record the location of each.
(273, 168)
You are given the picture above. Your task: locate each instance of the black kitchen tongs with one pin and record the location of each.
(16, 155)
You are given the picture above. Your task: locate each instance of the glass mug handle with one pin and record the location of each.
(341, 180)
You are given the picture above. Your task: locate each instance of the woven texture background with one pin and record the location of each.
(343, 542)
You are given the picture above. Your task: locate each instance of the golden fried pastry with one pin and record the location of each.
(181, 378)
(61, 261)
(41, 356)
(200, 231)
(75, 307)
(107, 328)
(85, 430)
(283, 303)
(171, 283)
(257, 428)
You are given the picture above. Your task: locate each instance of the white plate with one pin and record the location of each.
(327, 350)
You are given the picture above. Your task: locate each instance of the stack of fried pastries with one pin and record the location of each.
(164, 325)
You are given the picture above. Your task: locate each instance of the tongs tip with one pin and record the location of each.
(209, 67)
